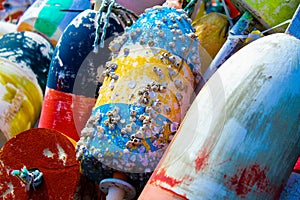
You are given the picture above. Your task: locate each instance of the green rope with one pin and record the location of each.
(105, 10)
(189, 8)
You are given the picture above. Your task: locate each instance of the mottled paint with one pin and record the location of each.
(291, 190)
(20, 99)
(244, 125)
(72, 79)
(28, 50)
(147, 89)
(269, 12)
(49, 18)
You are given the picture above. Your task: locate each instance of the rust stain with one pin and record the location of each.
(201, 160)
(244, 181)
(161, 176)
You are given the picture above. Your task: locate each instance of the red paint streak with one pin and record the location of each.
(161, 176)
(225, 161)
(177, 196)
(297, 166)
(201, 161)
(244, 181)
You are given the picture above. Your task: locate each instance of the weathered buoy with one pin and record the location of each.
(148, 87)
(212, 31)
(20, 99)
(39, 17)
(41, 151)
(30, 51)
(291, 189)
(240, 138)
(7, 27)
(72, 83)
(269, 12)
(12, 10)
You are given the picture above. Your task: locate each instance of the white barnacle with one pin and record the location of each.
(106, 122)
(128, 128)
(111, 84)
(100, 129)
(129, 144)
(161, 33)
(181, 37)
(179, 32)
(139, 134)
(133, 113)
(142, 41)
(115, 77)
(126, 51)
(179, 96)
(178, 84)
(167, 109)
(111, 126)
(147, 110)
(132, 118)
(114, 46)
(172, 58)
(150, 43)
(123, 131)
(172, 44)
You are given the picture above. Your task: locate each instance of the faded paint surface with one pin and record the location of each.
(240, 138)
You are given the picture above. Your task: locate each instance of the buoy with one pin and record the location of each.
(30, 51)
(72, 83)
(212, 31)
(12, 10)
(20, 98)
(7, 27)
(51, 169)
(50, 18)
(268, 12)
(148, 87)
(240, 138)
(291, 189)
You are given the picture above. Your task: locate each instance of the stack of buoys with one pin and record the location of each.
(50, 17)
(148, 88)
(240, 138)
(72, 85)
(49, 151)
(25, 59)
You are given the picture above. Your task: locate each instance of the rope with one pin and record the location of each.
(257, 34)
(107, 7)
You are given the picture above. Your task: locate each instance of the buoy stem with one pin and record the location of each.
(115, 193)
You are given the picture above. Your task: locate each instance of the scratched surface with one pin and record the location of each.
(240, 139)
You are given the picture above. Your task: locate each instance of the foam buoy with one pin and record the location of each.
(30, 51)
(272, 13)
(50, 18)
(13, 10)
(39, 164)
(72, 84)
(148, 87)
(291, 189)
(20, 98)
(211, 30)
(240, 138)
(7, 27)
